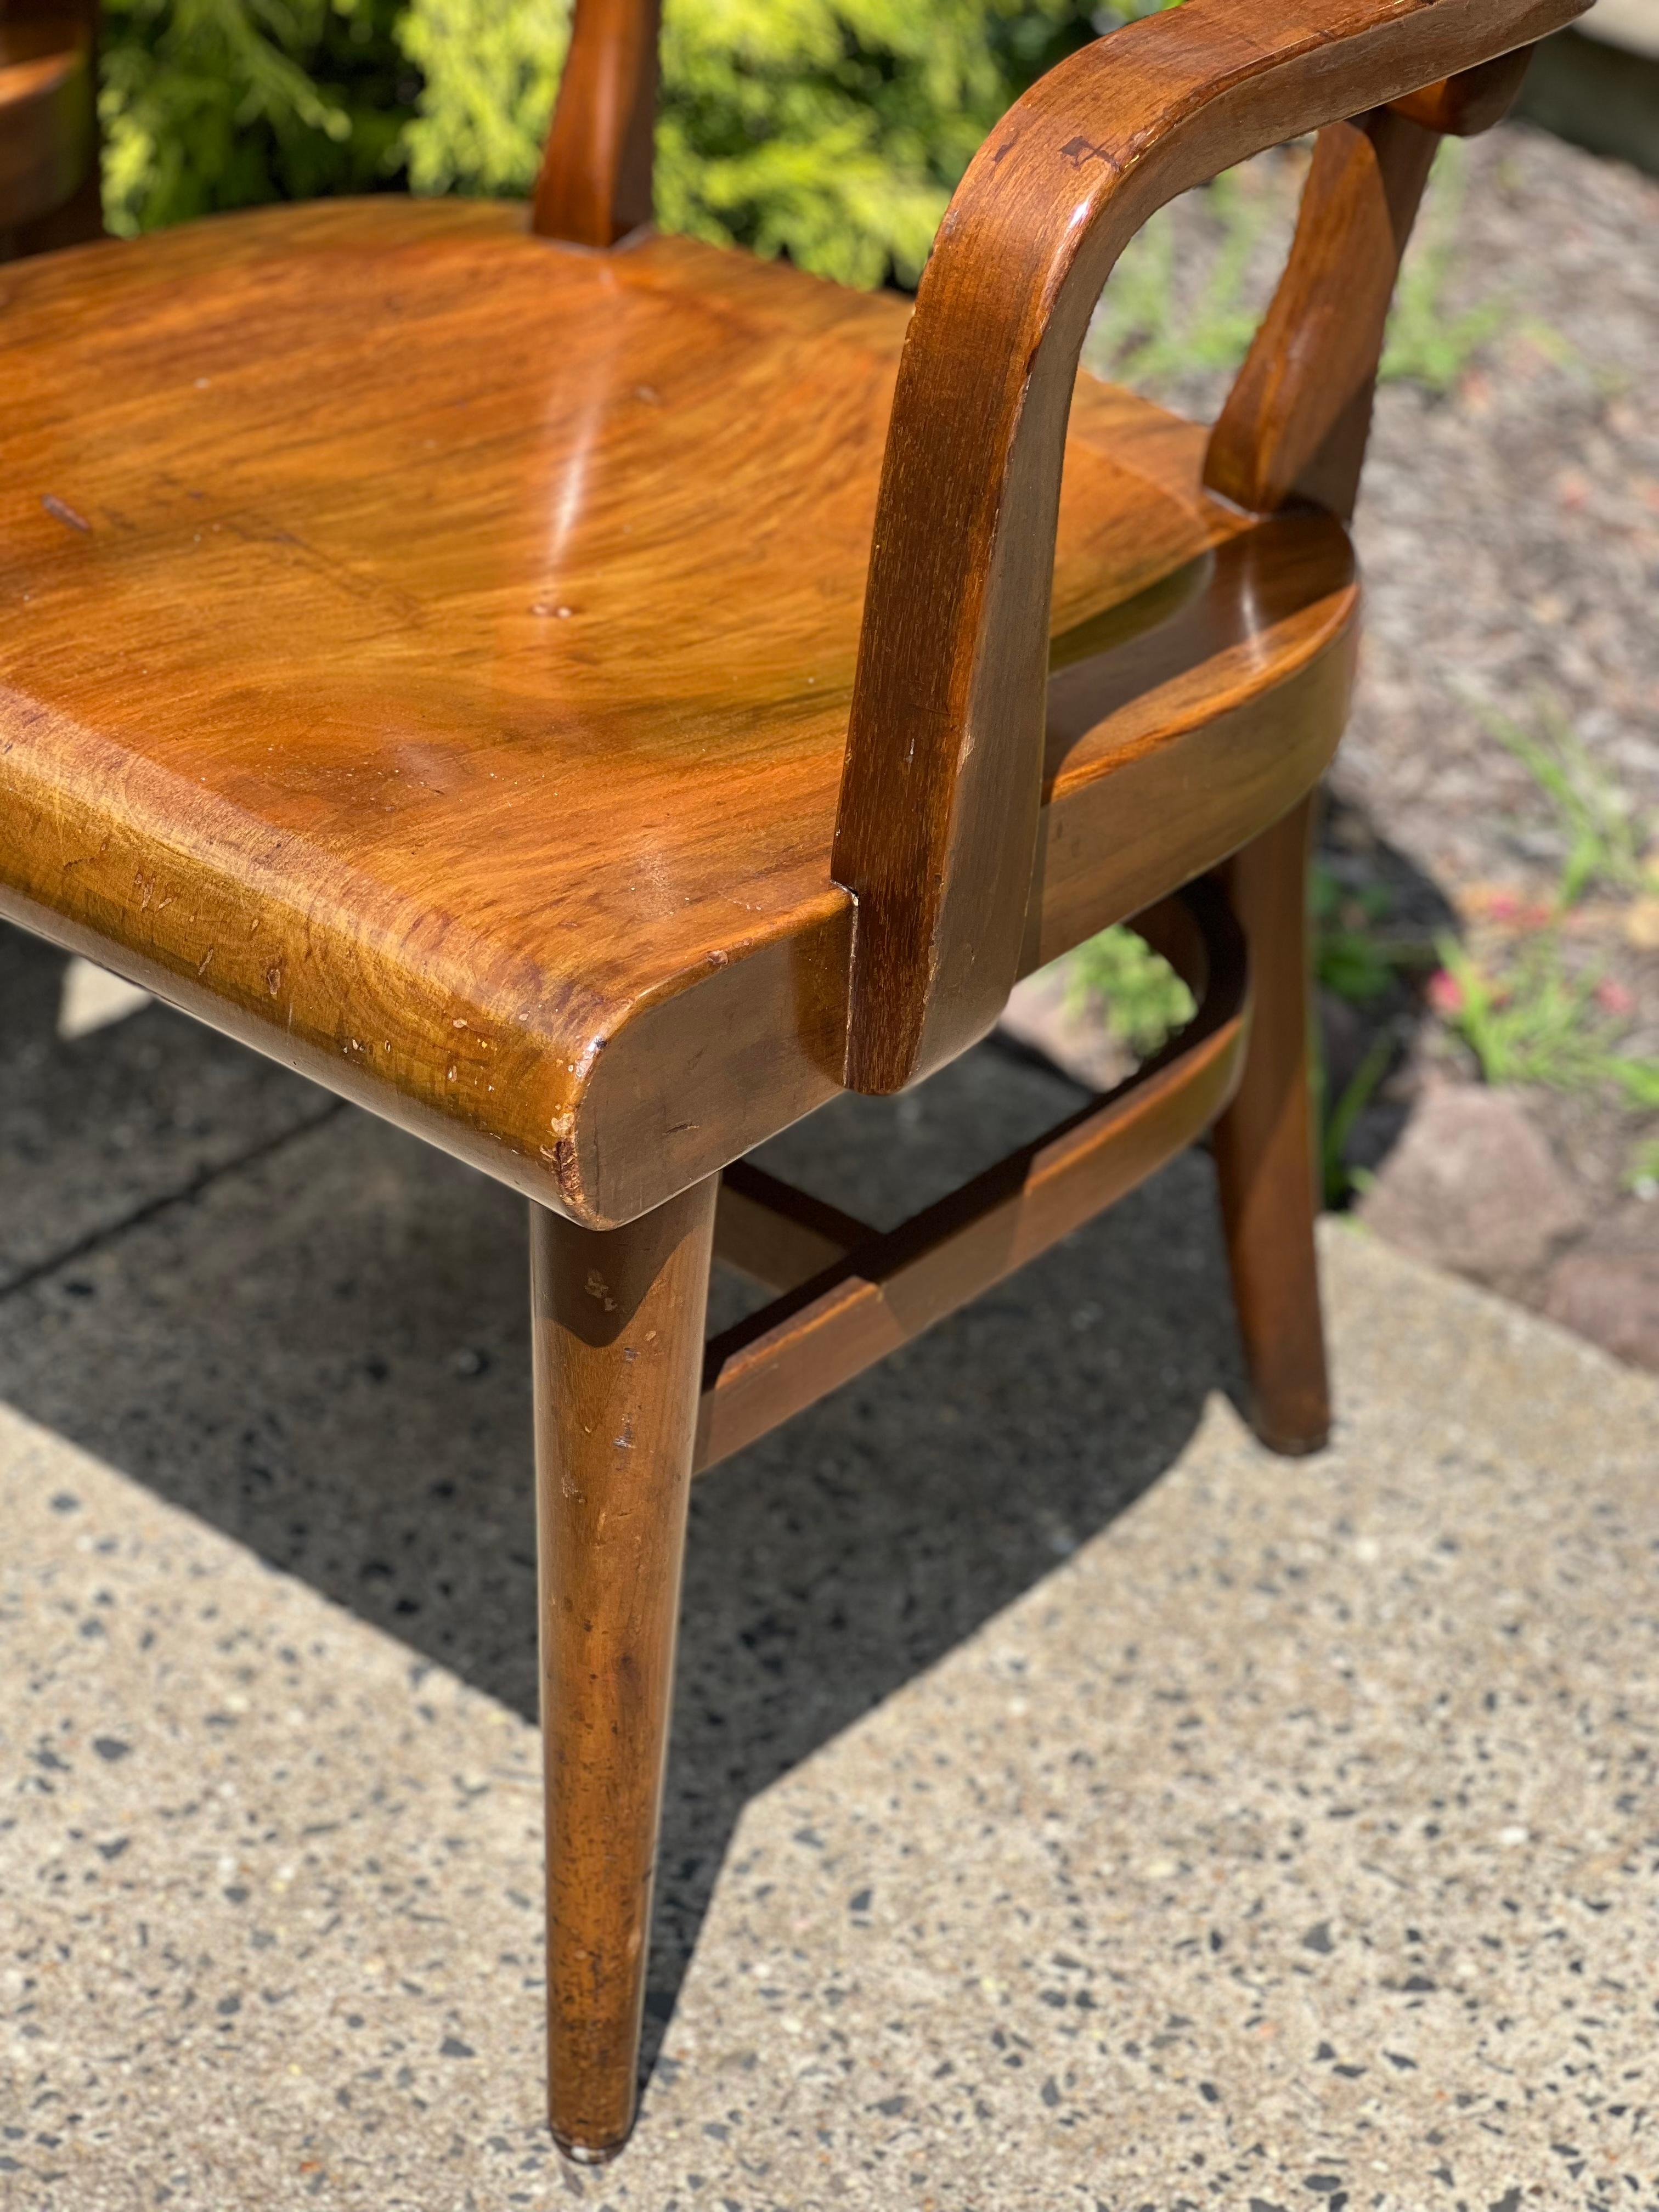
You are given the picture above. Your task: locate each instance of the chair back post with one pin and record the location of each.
(1295, 425)
(49, 181)
(595, 181)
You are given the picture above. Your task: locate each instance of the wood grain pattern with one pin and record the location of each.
(330, 768)
(939, 819)
(595, 181)
(1166, 752)
(618, 1325)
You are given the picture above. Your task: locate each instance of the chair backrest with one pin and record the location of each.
(48, 125)
(595, 181)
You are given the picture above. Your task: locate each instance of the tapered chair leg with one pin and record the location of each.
(618, 1318)
(1264, 1147)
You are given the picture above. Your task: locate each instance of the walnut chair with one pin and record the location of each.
(591, 697)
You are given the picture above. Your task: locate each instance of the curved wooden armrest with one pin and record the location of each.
(941, 788)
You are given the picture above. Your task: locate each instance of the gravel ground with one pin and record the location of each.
(1510, 525)
(1509, 530)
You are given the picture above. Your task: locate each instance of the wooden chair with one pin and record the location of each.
(590, 698)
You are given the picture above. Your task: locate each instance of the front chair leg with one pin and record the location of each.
(618, 1321)
(1264, 1147)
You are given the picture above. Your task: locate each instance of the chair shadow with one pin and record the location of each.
(1385, 906)
(314, 1338)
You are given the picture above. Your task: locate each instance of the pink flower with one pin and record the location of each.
(1616, 998)
(1445, 993)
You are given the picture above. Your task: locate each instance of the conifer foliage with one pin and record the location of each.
(832, 130)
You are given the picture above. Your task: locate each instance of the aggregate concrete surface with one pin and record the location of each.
(1071, 1805)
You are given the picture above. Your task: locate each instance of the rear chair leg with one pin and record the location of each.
(1264, 1147)
(618, 1323)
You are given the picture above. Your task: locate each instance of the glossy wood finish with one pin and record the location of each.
(938, 820)
(329, 767)
(1295, 424)
(866, 1301)
(1165, 751)
(48, 131)
(1464, 105)
(595, 181)
(619, 1326)
(1265, 1149)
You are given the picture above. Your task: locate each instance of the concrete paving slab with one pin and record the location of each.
(1055, 1778)
(1631, 24)
(325, 1356)
(1292, 1839)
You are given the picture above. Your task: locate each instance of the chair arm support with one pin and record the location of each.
(940, 793)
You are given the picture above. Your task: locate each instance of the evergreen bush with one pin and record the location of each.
(832, 130)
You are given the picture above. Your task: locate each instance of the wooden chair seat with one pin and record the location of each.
(429, 647)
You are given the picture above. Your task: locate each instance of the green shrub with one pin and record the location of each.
(1142, 999)
(489, 69)
(830, 130)
(212, 104)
